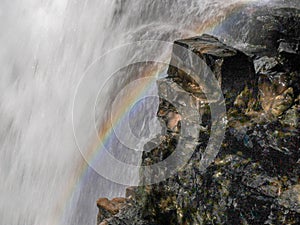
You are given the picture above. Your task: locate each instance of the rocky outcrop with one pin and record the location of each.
(232, 68)
(108, 208)
(255, 177)
(262, 29)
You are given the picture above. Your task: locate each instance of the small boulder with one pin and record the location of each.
(108, 208)
(276, 95)
(289, 51)
(232, 68)
(267, 64)
(289, 47)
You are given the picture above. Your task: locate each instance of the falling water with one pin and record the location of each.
(46, 45)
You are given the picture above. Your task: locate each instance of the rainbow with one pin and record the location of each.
(106, 129)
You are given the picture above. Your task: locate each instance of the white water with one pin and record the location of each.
(46, 45)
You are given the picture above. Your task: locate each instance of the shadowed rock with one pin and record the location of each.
(232, 68)
(261, 30)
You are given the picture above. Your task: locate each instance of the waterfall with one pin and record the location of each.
(46, 47)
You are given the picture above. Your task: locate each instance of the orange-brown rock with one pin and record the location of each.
(109, 208)
(113, 206)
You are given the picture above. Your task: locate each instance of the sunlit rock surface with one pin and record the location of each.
(255, 177)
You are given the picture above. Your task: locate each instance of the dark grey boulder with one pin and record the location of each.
(232, 68)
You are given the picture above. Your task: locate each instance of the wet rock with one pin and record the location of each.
(254, 179)
(182, 102)
(186, 108)
(288, 48)
(282, 102)
(258, 30)
(275, 94)
(131, 192)
(257, 179)
(243, 98)
(108, 208)
(290, 198)
(173, 121)
(246, 103)
(232, 68)
(290, 53)
(267, 64)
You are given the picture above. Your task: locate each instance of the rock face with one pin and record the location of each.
(262, 30)
(232, 68)
(108, 208)
(255, 178)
